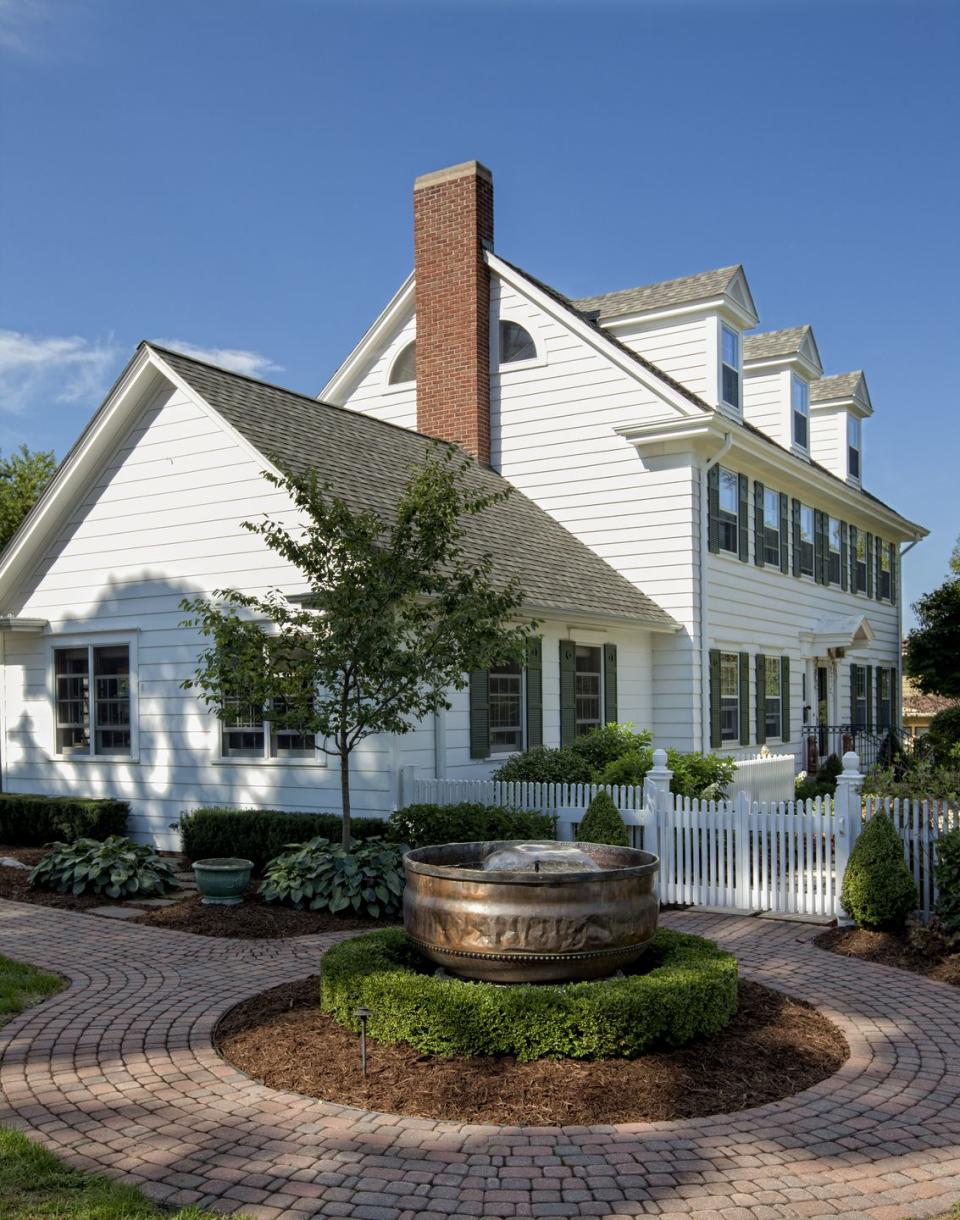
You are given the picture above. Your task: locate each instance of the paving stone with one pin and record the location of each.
(121, 912)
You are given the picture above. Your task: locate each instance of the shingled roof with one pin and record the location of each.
(656, 296)
(841, 385)
(367, 463)
(774, 343)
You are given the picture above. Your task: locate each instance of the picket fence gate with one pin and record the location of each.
(785, 857)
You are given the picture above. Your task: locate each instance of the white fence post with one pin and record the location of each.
(848, 814)
(657, 798)
(405, 786)
(742, 857)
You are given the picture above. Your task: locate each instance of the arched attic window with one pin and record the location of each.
(516, 343)
(405, 366)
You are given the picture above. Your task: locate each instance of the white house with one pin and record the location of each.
(689, 523)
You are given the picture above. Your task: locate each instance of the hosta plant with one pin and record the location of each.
(115, 867)
(319, 876)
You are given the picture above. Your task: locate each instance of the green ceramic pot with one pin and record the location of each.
(223, 880)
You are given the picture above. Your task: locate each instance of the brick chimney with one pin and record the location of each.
(453, 222)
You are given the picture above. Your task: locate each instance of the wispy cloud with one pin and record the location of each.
(38, 369)
(22, 24)
(237, 359)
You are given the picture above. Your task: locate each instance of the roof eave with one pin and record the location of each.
(342, 381)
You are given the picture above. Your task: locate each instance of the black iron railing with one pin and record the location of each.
(877, 748)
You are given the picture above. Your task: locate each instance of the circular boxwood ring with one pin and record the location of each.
(689, 990)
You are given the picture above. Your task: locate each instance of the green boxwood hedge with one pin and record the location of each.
(261, 834)
(467, 822)
(28, 820)
(690, 991)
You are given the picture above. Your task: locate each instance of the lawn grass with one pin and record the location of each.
(35, 1184)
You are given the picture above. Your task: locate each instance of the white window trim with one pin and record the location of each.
(733, 551)
(855, 479)
(737, 411)
(317, 759)
(512, 751)
(804, 450)
(399, 387)
(515, 366)
(91, 640)
(777, 737)
(731, 743)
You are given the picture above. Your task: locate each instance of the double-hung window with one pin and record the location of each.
(589, 701)
(806, 540)
(771, 527)
(884, 698)
(773, 700)
(92, 700)
(729, 511)
(859, 700)
(729, 696)
(860, 563)
(247, 731)
(800, 400)
(853, 447)
(834, 550)
(884, 575)
(506, 707)
(730, 367)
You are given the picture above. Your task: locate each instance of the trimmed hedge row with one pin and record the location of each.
(424, 825)
(689, 992)
(261, 834)
(28, 820)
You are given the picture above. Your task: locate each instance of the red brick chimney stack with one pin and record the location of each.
(453, 222)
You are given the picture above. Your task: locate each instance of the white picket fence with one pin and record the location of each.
(786, 857)
(767, 777)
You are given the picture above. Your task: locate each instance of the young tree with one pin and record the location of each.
(932, 656)
(24, 476)
(397, 615)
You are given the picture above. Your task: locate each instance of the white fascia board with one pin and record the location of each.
(596, 339)
(24, 626)
(727, 307)
(796, 361)
(571, 618)
(341, 383)
(849, 402)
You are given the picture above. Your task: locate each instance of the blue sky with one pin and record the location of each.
(236, 175)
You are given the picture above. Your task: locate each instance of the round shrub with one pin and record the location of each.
(878, 889)
(602, 823)
(116, 867)
(546, 765)
(608, 742)
(689, 991)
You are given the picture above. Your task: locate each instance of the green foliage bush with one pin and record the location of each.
(604, 745)
(546, 765)
(878, 889)
(320, 876)
(919, 778)
(690, 991)
(423, 825)
(261, 834)
(602, 823)
(117, 867)
(694, 775)
(27, 820)
(943, 738)
(948, 886)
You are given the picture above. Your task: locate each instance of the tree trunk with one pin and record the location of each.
(347, 838)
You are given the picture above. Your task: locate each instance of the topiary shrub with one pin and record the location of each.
(424, 825)
(318, 876)
(602, 823)
(27, 820)
(690, 991)
(261, 834)
(878, 890)
(947, 873)
(546, 765)
(116, 867)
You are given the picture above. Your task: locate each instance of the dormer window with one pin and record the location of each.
(405, 366)
(800, 401)
(853, 446)
(730, 367)
(516, 343)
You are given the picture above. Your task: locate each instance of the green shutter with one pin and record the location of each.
(877, 590)
(896, 698)
(853, 559)
(869, 689)
(878, 714)
(784, 698)
(761, 667)
(713, 509)
(609, 683)
(568, 691)
(480, 713)
(784, 533)
(844, 555)
(894, 556)
(534, 691)
(869, 549)
(796, 537)
(854, 672)
(758, 523)
(820, 557)
(715, 738)
(744, 693)
(743, 516)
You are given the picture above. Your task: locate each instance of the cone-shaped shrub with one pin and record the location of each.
(602, 823)
(878, 890)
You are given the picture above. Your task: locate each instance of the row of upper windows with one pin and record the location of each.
(732, 394)
(516, 344)
(825, 548)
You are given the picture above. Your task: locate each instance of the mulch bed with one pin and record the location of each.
(774, 1047)
(890, 950)
(13, 884)
(253, 919)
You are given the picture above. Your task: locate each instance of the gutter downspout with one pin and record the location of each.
(702, 599)
(900, 555)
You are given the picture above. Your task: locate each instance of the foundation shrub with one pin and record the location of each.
(27, 820)
(878, 889)
(424, 825)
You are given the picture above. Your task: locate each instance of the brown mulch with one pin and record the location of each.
(890, 950)
(774, 1047)
(13, 884)
(252, 919)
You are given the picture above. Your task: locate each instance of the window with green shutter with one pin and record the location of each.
(760, 664)
(844, 554)
(609, 683)
(716, 720)
(568, 691)
(713, 509)
(785, 728)
(744, 696)
(480, 713)
(784, 533)
(759, 524)
(743, 487)
(534, 691)
(894, 558)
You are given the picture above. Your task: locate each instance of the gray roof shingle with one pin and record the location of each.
(774, 343)
(840, 385)
(367, 463)
(654, 296)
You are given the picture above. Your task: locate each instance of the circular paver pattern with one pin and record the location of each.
(118, 1074)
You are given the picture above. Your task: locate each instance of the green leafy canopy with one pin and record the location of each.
(932, 656)
(24, 476)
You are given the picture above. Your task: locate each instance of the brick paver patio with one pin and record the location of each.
(118, 1074)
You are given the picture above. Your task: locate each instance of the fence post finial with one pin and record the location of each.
(848, 811)
(656, 798)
